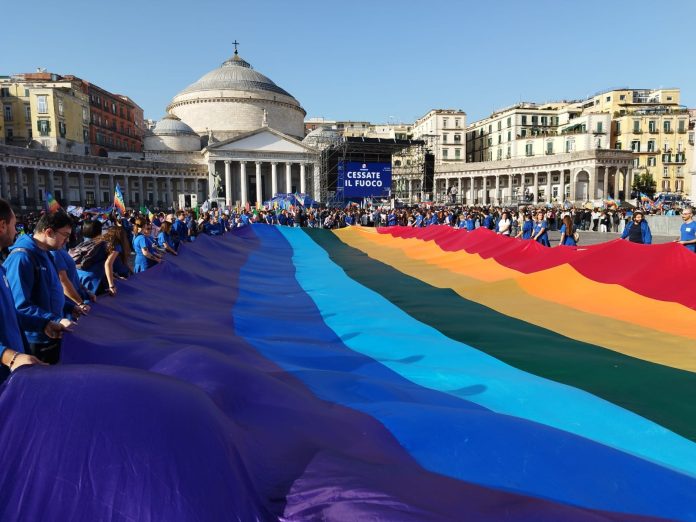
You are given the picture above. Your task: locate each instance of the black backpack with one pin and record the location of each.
(88, 253)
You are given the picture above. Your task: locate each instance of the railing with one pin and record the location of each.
(669, 131)
(653, 131)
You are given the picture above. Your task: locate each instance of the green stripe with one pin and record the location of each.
(662, 394)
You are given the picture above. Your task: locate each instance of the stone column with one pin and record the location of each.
(485, 190)
(4, 183)
(20, 186)
(523, 179)
(618, 173)
(446, 190)
(141, 186)
(81, 188)
(112, 187)
(182, 185)
(274, 179)
(548, 186)
(243, 182)
(49, 183)
(535, 177)
(316, 181)
(170, 191)
(497, 190)
(66, 189)
(591, 183)
(605, 183)
(288, 177)
(126, 190)
(35, 186)
(460, 194)
(259, 195)
(628, 181)
(303, 179)
(228, 183)
(573, 173)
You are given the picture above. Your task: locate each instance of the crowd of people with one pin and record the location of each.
(56, 264)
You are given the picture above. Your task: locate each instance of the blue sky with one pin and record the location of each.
(364, 60)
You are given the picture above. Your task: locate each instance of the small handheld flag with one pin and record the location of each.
(119, 203)
(51, 204)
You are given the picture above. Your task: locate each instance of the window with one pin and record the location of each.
(8, 133)
(490, 129)
(652, 161)
(456, 122)
(651, 146)
(549, 147)
(27, 113)
(8, 112)
(4, 92)
(570, 146)
(85, 115)
(681, 127)
(500, 139)
(509, 122)
(599, 126)
(444, 153)
(544, 120)
(667, 126)
(457, 138)
(618, 127)
(61, 129)
(60, 107)
(457, 153)
(636, 126)
(524, 119)
(85, 135)
(618, 145)
(444, 137)
(529, 149)
(523, 133)
(44, 127)
(636, 162)
(500, 154)
(445, 121)
(509, 136)
(635, 146)
(608, 98)
(652, 126)
(535, 119)
(500, 124)
(679, 172)
(41, 105)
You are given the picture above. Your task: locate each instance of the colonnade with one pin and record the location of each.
(27, 186)
(573, 184)
(237, 179)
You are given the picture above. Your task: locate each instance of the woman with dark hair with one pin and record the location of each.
(117, 249)
(164, 238)
(541, 226)
(527, 227)
(504, 224)
(145, 254)
(567, 232)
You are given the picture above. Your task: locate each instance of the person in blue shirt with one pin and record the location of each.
(36, 288)
(567, 232)
(687, 232)
(487, 221)
(540, 231)
(470, 222)
(637, 230)
(73, 289)
(164, 238)
(179, 232)
(391, 218)
(418, 222)
(527, 228)
(145, 254)
(14, 348)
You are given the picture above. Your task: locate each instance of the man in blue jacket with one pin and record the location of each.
(36, 288)
(637, 230)
(13, 343)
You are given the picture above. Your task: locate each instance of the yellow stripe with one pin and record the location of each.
(537, 299)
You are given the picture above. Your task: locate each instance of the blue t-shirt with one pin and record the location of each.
(142, 263)
(688, 233)
(63, 261)
(568, 240)
(527, 229)
(543, 238)
(163, 238)
(470, 224)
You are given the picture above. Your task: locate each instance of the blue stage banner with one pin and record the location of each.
(364, 180)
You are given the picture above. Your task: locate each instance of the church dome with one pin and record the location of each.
(235, 74)
(172, 134)
(170, 125)
(322, 137)
(235, 99)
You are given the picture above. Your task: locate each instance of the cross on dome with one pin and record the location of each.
(235, 43)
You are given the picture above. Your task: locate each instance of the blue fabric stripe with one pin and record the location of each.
(445, 432)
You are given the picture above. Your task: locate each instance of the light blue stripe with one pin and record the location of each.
(455, 368)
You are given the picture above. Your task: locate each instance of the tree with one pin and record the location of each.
(644, 183)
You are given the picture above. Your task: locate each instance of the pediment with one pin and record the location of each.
(262, 140)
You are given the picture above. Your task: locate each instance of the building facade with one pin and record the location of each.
(444, 132)
(654, 126)
(116, 123)
(44, 110)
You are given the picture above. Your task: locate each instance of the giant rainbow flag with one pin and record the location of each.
(392, 374)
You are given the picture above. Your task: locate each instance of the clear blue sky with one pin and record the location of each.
(364, 60)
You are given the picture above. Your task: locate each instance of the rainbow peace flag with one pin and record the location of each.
(370, 374)
(52, 204)
(119, 204)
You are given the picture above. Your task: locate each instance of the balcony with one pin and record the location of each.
(681, 131)
(637, 131)
(653, 131)
(668, 131)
